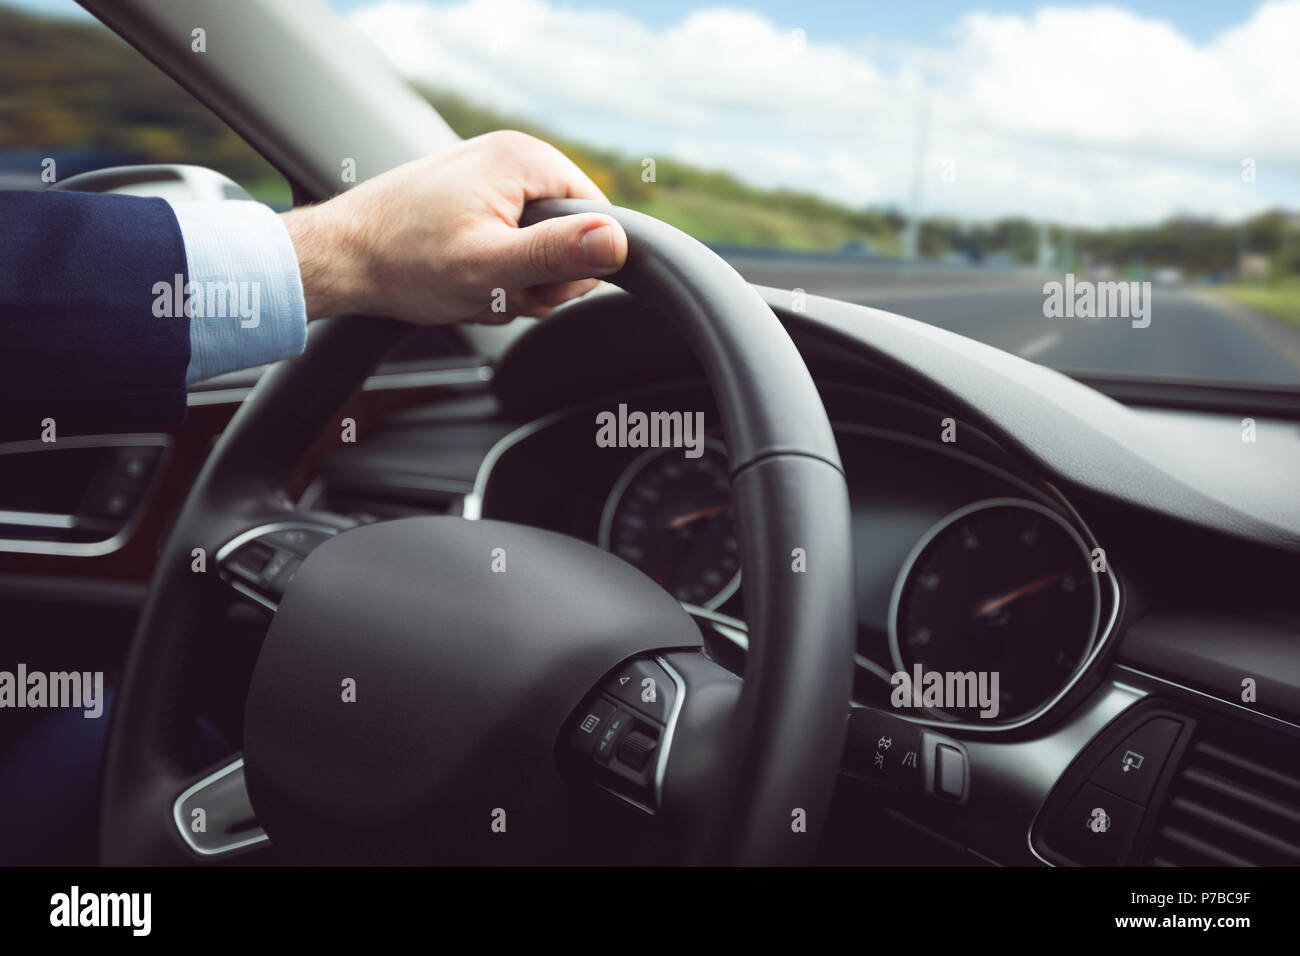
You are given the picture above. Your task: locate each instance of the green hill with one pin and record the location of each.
(69, 88)
(73, 90)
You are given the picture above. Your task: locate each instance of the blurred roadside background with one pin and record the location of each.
(893, 230)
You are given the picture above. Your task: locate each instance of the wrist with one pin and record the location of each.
(331, 275)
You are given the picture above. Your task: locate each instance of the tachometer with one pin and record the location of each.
(671, 517)
(1003, 590)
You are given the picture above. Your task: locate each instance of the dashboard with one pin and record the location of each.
(1045, 566)
(962, 565)
(1123, 567)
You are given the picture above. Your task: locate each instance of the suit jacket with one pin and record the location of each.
(79, 338)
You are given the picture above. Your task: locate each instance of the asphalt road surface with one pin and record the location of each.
(1194, 333)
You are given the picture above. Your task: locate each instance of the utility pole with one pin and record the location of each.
(912, 232)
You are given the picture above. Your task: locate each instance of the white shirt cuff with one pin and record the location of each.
(244, 297)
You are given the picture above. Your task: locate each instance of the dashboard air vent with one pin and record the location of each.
(374, 503)
(1234, 801)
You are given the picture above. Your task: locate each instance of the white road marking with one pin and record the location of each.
(1040, 344)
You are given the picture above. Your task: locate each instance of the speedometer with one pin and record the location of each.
(671, 517)
(1002, 591)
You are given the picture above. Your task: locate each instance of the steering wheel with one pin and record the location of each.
(436, 689)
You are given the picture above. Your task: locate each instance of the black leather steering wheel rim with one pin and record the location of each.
(783, 750)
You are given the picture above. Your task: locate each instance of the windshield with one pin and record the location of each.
(1100, 188)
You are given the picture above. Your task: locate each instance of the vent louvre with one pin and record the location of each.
(1234, 801)
(374, 503)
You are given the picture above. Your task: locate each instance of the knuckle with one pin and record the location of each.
(546, 252)
(508, 142)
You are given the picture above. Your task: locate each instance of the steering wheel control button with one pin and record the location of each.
(615, 738)
(607, 738)
(279, 561)
(636, 748)
(644, 687)
(250, 561)
(590, 725)
(1097, 827)
(300, 541)
(278, 584)
(262, 562)
(1133, 767)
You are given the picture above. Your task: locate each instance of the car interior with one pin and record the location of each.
(641, 655)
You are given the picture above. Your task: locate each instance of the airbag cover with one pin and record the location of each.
(414, 681)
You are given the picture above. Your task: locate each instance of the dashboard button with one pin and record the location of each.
(1097, 828)
(949, 772)
(885, 750)
(1132, 768)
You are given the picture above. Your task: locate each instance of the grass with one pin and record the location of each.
(722, 219)
(1279, 298)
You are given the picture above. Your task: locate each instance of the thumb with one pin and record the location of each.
(584, 246)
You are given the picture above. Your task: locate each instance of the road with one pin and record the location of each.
(1193, 333)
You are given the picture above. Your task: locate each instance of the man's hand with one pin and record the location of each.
(432, 241)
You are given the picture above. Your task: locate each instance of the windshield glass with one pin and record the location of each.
(1100, 188)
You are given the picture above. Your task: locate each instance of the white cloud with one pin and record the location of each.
(1092, 114)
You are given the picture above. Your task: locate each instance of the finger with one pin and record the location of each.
(560, 292)
(540, 168)
(522, 303)
(559, 250)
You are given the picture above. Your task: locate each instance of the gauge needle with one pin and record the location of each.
(993, 605)
(690, 517)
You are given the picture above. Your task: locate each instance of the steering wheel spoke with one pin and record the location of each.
(620, 737)
(261, 562)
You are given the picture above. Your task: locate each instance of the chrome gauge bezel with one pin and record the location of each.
(619, 489)
(939, 527)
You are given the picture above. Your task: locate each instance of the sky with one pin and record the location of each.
(1074, 112)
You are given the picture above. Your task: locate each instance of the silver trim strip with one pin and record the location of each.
(37, 519)
(91, 549)
(386, 381)
(259, 837)
(472, 506)
(241, 539)
(428, 378)
(670, 728)
(732, 628)
(1259, 715)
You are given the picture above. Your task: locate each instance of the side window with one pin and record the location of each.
(75, 97)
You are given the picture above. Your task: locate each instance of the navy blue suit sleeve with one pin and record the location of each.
(80, 338)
